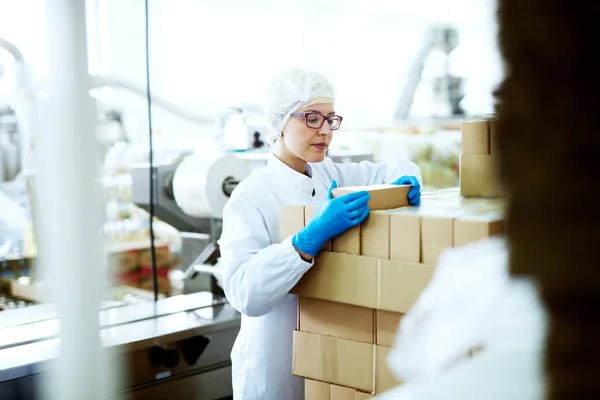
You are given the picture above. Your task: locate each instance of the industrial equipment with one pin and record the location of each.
(177, 347)
(448, 90)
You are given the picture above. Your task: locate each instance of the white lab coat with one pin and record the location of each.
(259, 271)
(472, 301)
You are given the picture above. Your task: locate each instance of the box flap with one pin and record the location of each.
(340, 320)
(342, 278)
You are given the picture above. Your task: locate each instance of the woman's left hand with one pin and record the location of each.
(414, 196)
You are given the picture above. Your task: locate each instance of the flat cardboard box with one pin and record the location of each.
(477, 227)
(344, 321)
(475, 137)
(385, 380)
(383, 197)
(338, 361)
(309, 214)
(375, 235)
(400, 284)
(315, 390)
(362, 396)
(387, 325)
(494, 137)
(405, 235)
(291, 221)
(341, 278)
(348, 242)
(478, 176)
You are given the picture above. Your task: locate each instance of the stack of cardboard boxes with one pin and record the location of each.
(352, 300)
(478, 159)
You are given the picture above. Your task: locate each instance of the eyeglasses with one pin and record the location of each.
(315, 120)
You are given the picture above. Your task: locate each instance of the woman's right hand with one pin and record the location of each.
(334, 217)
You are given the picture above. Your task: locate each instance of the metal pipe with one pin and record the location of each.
(12, 49)
(70, 250)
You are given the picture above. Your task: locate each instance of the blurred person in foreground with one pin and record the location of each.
(530, 301)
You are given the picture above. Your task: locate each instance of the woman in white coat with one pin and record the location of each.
(259, 271)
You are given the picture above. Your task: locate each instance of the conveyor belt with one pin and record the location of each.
(35, 323)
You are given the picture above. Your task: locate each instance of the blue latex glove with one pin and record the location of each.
(334, 217)
(414, 196)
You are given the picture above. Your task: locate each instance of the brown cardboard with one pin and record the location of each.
(478, 227)
(291, 221)
(315, 390)
(494, 137)
(400, 283)
(309, 214)
(405, 235)
(478, 176)
(436, 236)
(475, 137)
(338, 361)
(387, 325)
(341, 278)
(375, 235)
(362, 396)
(341, 393)
(336, 319)
(385, 380)
(383, 197)
(348, 242)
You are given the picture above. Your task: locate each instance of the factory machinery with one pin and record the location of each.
(172, 348)
(177, 347)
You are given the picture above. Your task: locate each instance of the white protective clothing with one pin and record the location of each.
(472, 302)
(290, 91)
(259, 271)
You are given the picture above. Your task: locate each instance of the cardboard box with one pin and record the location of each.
(383, 197)
(315, 390)
(309, 214)
(494, 137)
(475, 137)
(336, 319)
(400, 283)
(387, 325)
(341, 278)
(375, 235)
(405, 235)
(477, 227)
(436, 236)
(478, 176)
(341, 393)
(348, 242)
(338, 361)
(291, 221)
(385, 380)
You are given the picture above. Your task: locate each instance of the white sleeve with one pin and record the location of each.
(257, 274)
(368, 173)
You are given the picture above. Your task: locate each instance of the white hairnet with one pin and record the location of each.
(290, 91)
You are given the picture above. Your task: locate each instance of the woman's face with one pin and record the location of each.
(308, 144)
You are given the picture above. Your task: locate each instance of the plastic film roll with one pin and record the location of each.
(202, 183)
